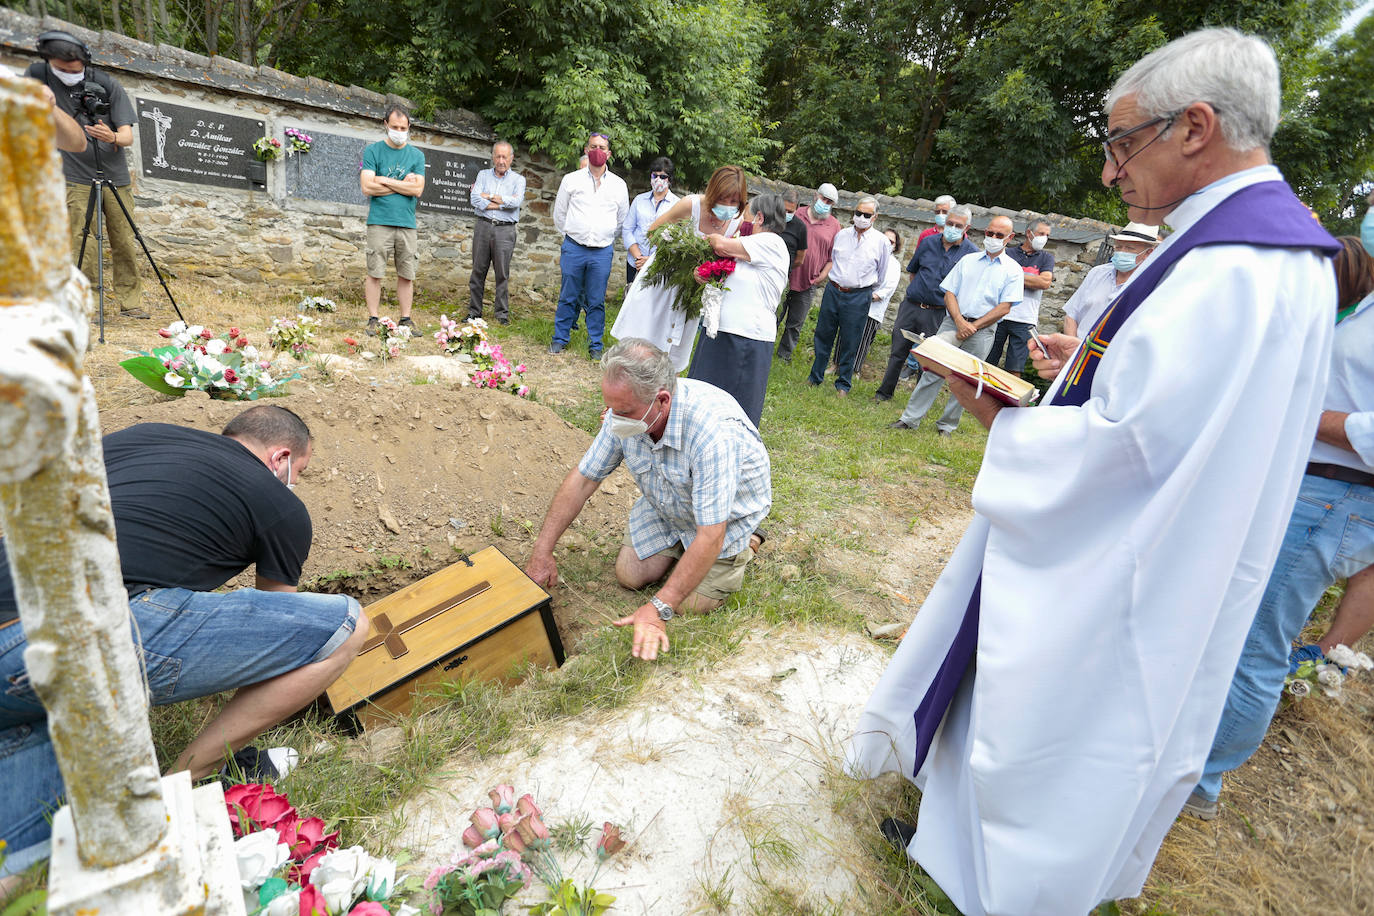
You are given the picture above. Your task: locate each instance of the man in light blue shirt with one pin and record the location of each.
(705, 479)
(496, 197)
(858, 266)
(644, 209)
(979, 290)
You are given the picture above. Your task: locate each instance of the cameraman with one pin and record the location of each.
(101, 106)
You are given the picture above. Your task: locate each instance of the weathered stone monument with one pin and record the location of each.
(127, 842)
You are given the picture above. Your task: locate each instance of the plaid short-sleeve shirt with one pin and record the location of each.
(709, 467)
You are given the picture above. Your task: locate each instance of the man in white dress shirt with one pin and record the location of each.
(980, 289)
(1101, 284)
(589, 211)
(858, 265)
(1057, 694)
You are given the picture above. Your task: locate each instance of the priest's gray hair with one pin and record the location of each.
(642, 367)
(1235, 73)
(867, 199)
(770, 207)
(961, 210)
(944, 199)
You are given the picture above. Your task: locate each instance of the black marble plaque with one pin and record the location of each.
(193, 145)
(448, 181)
(330, 170)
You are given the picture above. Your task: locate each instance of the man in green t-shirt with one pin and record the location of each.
(393, 179)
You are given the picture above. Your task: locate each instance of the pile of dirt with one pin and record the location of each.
(404, 478)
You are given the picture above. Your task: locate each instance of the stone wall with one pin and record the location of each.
(304, 229)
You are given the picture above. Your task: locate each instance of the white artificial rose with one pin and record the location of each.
(259, 855)
(250, 352)
(1342, 655)
(288, 904)
(176, 327)
(351, 865)
(215, 347)
(406, 909)
(1329, 676)
(194, 330)
(381, 879)
(338, 894)
(264, 379)
(1363, 661)
(173, 379)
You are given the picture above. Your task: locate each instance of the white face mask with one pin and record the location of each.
(862, 220)
(69, 79)
(290, 483)
(993, 246)
(1038, 242)
(628, 427)
(398, 137)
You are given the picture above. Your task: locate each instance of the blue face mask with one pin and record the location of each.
(790, 215)
(1367, 231)
(953, 234)
(1123, 261)
(724, 213)
(821, 209)
(940, 219)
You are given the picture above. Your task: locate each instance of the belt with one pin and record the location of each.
(931, 307)
(1340, 472)
(499, 222)
(588, 247)
(850, 289)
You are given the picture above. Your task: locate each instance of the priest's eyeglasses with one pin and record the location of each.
(1118, 153)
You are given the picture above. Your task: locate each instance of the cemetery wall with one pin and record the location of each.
(302, 227)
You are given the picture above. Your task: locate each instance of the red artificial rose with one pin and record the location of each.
(230, 376)
(350, 341)
(253, 807)
(163, 332)
(241, 342)
(310, 835)
(312, 902)
(233, 332)
(205, 332)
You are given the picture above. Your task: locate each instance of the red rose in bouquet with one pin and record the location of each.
(716, 271)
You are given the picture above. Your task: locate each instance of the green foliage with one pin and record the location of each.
(571, 900)
(679, 251)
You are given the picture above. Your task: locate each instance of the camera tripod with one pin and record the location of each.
(96, 213)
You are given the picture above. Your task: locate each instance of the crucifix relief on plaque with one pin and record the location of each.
(389, 634)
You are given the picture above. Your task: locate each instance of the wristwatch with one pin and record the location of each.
(665, 610)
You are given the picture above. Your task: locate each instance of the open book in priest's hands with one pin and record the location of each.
(945, 359)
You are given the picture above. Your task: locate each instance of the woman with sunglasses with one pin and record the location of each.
(644, 209)
(649, 311)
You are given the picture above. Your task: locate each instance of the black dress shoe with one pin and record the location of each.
(898, 833)
(898, 425)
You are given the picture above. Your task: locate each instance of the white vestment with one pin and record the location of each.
(1124, 547)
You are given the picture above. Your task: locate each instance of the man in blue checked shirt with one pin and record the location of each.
(704, 475)
(497, 195)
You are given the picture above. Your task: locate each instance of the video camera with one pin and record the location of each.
(92, 101)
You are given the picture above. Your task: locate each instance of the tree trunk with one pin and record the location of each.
(243, 31)
(212, 27)
(136, 13)
(118, 25)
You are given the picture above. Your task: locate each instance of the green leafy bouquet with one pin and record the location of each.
(678, 252)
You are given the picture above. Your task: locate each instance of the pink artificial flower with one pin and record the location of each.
(205, 333)
(369, 908)
(433, 880)
(163, 332)
(312, 902)
(507, 821)
(520, 368)
(179, 362)
(513, 842)
(523, 391)
(264, 364)
(484, 819)
(610, 842)
(488, 849)
(395, 351)
(502, 798)
(526, 805)
(532, 830)
(472, 838)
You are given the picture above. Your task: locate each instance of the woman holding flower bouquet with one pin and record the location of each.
(651, 308)
(737, 357)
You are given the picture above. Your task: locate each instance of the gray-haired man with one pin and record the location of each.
(496, 197)
(704, 475)
(858, 264)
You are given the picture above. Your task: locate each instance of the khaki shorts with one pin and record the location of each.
(391, 244)
(723, 579)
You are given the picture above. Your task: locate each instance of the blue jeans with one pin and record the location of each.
(845, 314)
(194, 644)
(585, 274)
(1330, 536)
(1015, 335)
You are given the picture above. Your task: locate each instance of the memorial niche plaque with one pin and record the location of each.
(448, 181)
(180, 143)
(330, 170)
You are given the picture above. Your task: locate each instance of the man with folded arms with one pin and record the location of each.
(859, 262)
(981, 288)
(1057, 694)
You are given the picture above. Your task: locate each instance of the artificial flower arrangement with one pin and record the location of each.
(318, 303)
(507, 844)
(294, 335)
(289, 866)
(490, 368)
(1327, 674)
(297, 141)
(391, 340)
(197, 359)
(266, 149)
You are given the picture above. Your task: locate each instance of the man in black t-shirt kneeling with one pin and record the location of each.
(192, 510)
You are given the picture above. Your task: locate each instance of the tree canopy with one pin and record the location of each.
(993, 102)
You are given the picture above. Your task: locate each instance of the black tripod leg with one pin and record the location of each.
(148, 254)
(86, 227)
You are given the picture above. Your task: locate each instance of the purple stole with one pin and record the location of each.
(1264, 215)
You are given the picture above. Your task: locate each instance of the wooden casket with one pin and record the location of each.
(480, 619)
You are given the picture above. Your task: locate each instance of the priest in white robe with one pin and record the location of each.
(1125, 528)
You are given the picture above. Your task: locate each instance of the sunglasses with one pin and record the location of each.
(996, 235)
(659, 175)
